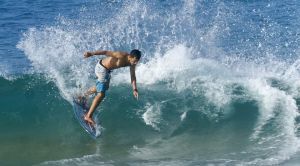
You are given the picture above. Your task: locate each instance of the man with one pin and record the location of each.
(114, 60)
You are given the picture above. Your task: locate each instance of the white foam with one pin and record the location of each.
(216, 78)
(267, 98)
(161, 68)
(85, 160)
(183, 116)
(152, 115)
(180, 71)
(270, 100)
(52, 51)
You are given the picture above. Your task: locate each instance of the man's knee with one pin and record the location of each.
(100, 95)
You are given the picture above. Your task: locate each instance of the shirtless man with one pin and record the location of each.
(114, 60)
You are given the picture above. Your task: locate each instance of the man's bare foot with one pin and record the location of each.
(90, 120)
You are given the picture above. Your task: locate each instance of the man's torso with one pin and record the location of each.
(114, 63)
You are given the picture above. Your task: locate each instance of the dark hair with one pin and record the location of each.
(136, 53)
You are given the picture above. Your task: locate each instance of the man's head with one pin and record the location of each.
(135, 56)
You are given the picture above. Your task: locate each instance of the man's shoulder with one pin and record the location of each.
(121, 53)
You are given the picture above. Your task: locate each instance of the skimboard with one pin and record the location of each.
(79, 111)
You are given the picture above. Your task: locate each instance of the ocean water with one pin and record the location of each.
(219, 82)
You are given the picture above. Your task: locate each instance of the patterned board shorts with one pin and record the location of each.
(103, 74)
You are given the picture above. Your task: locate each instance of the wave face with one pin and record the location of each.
(218, 83)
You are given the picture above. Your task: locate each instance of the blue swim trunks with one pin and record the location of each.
(103, 75)
(101, 87)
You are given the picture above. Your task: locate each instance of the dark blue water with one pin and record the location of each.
(17, 17)
(218, 82)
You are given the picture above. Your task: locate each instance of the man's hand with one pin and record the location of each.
(88, 54)
(136, 94)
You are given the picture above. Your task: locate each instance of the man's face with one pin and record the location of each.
(133, 60)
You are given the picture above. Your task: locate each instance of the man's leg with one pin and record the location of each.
(97, 100)
(82, 99)
(90, 91)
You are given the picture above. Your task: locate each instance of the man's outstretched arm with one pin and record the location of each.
(133, 81)
(115, 54)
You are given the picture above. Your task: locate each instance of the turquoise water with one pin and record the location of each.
(218, 82)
